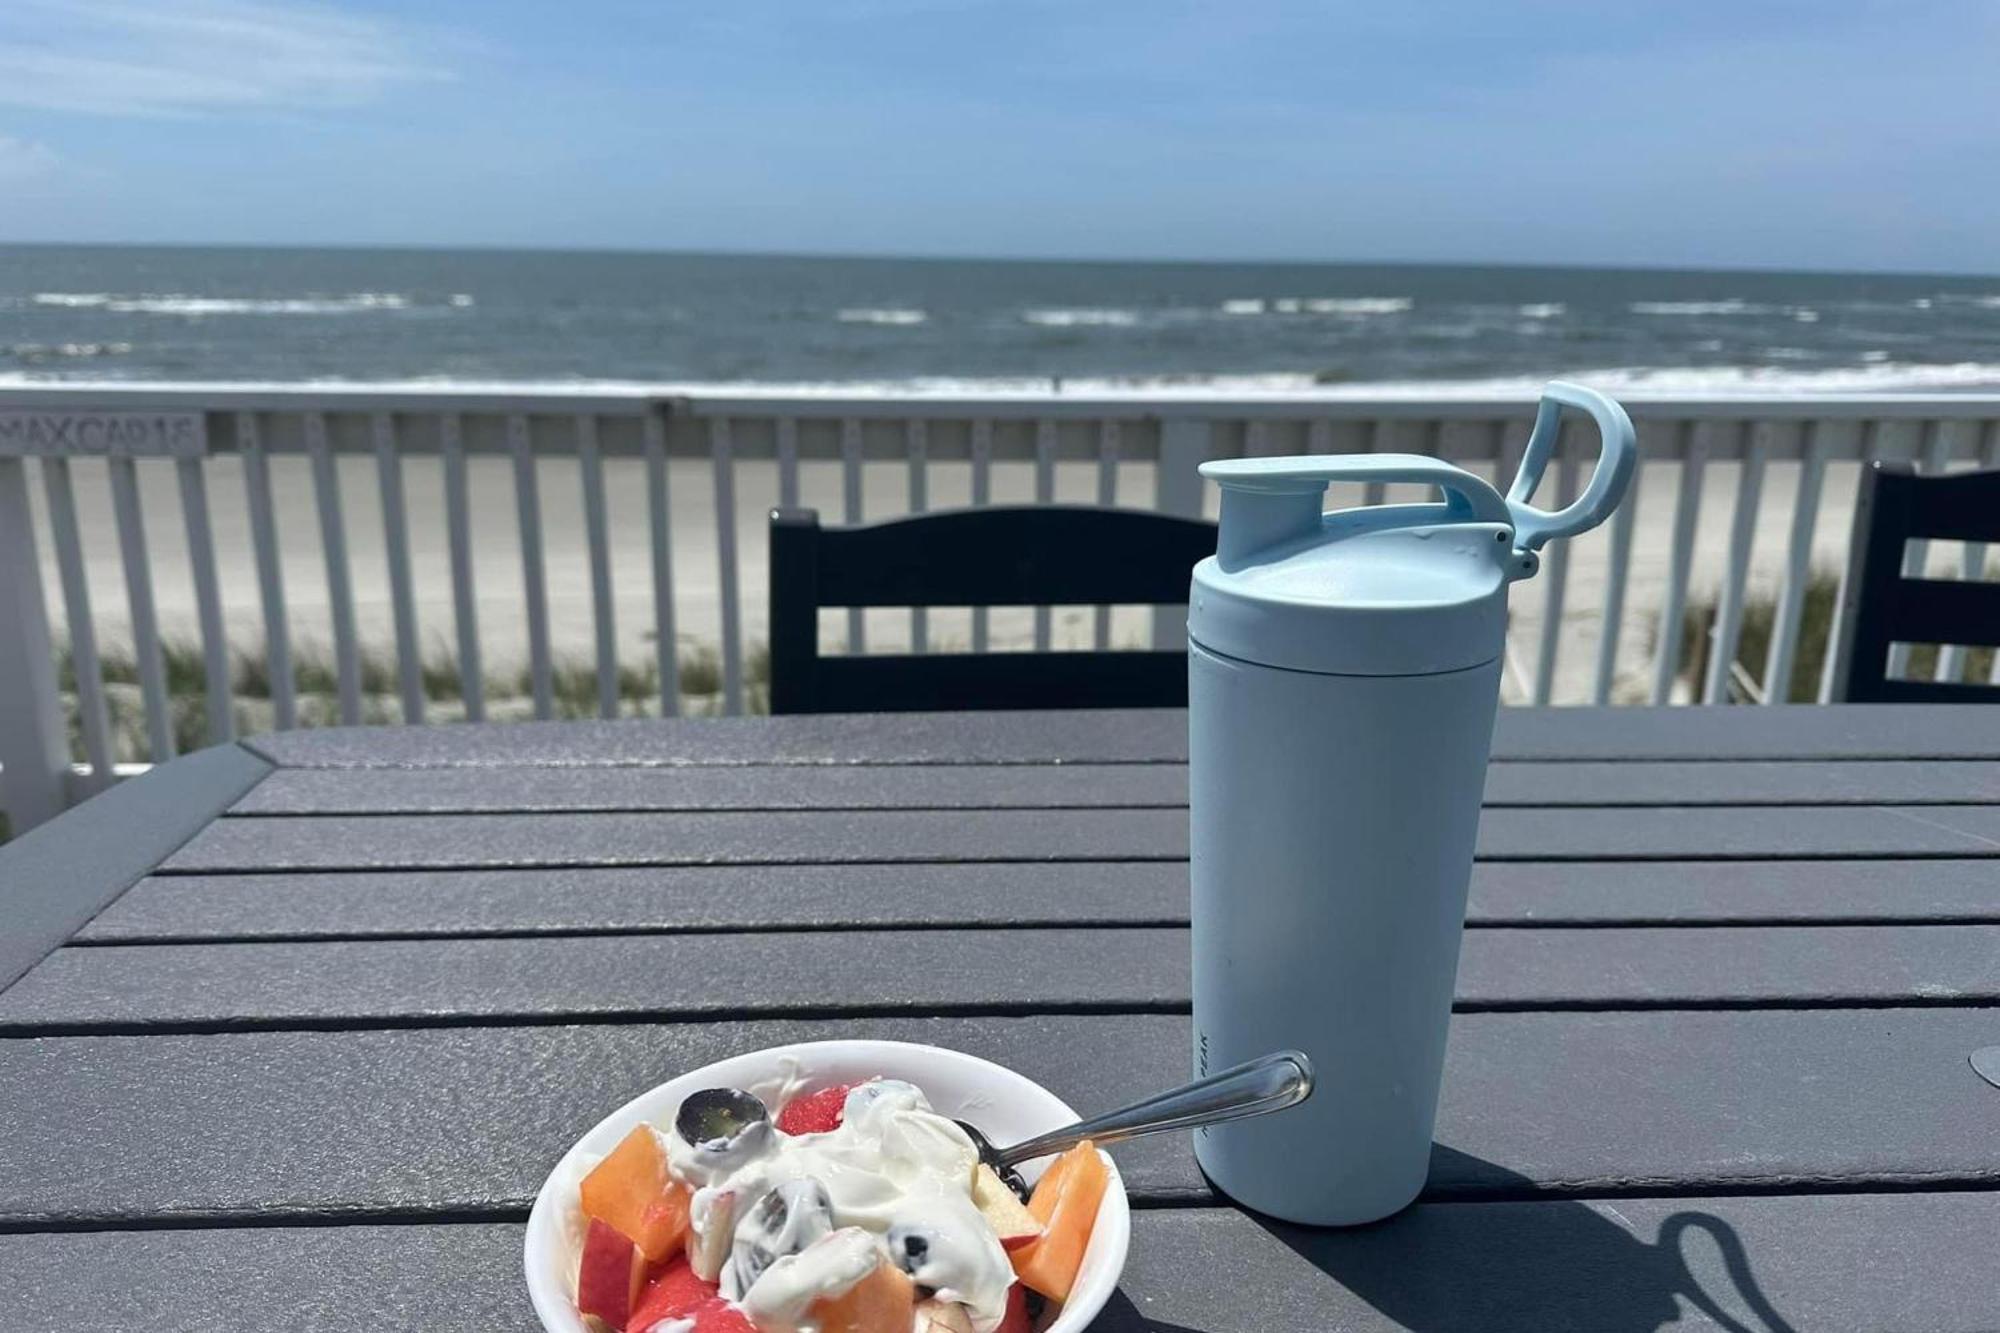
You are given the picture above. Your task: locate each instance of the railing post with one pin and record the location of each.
(34, 752)
(1184, 446)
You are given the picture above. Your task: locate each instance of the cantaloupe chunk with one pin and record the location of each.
(883, 1302)
(1065, 1202)
(632, 1191)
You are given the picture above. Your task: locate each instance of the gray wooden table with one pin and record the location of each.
(291, 1031)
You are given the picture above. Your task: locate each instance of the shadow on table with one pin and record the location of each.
(1546, 1266)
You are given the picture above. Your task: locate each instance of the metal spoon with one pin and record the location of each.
(1272, 1083)
(716, 1117)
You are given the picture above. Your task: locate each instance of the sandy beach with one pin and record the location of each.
(499, 585)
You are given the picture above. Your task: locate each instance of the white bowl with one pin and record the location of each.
(1001, 1102)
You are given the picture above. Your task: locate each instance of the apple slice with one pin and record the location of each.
(936, 1316)
(708, 1250)
(609, 1276)
(1008, 1216)
(1016, 1319)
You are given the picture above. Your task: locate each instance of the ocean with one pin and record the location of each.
(487, 316)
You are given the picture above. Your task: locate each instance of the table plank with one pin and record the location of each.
(547, 978)
(56, 877)
(1768, 1263)
(1745, 782)
(323, 791)
(304, 905)
(382, 842)
(537, 978)
(1442, 1268)
(1804, 731)
(462, 1118)
(1610, 833)
(468, 902)
(354, 1279)
(388, 841)
(327, 791)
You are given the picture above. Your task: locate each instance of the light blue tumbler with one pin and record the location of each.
(1343, 673)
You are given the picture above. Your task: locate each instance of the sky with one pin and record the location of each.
(1839, 134)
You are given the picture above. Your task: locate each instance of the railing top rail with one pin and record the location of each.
(874, 404)
(357, 397)
(1442, 407)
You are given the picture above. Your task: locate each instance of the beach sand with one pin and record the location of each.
(499, 580)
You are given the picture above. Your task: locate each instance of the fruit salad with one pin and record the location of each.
(852, 1209)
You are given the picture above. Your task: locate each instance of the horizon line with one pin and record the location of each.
(828, 256)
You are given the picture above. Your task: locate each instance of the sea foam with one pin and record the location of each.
(1106, 318)
(1318, 305)
(1875, 375)
(882, 315)
(174, 303)
(1733, 306)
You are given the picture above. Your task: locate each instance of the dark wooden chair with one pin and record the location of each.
(1033, 555)
(1882, 606)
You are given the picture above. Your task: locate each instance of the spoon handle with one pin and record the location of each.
(1269, 1084)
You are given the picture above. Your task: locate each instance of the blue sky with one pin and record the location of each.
(1837, 134)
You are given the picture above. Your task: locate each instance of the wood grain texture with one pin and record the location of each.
(1630, 1266)
(1437, 1268)
(325, 791)
(459, 902)
(546, 978)
(627, 899)
(456, 1118)
(1805, 731)
(386, 842)
(1727, 969)
(311, 791)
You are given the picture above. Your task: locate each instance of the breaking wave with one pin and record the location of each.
(173, 303)
(883, 315)
(1100, 318)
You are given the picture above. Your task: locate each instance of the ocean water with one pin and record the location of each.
(442, 316)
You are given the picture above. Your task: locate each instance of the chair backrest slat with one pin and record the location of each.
(1962, 507)
(1882, 606)
(935, 682)
(1035, 555)
(1943, 611)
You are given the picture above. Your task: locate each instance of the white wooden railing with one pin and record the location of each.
(1638, 574)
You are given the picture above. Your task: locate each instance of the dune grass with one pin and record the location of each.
(316, 687)
(1816, 627)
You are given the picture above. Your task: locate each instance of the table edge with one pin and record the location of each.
(56, 877)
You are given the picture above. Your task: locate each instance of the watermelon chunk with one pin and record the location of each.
(672, 1293)
(815, 1113)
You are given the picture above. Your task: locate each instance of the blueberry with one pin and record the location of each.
(783, 1221)
(909, 1248)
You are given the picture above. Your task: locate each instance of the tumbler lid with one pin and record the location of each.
(1387, 590)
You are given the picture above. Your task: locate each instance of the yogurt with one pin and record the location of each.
(813, 1214)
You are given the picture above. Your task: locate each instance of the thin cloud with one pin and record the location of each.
(24, 159)
(140, 58)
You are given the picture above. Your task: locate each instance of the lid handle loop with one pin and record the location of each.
(1618, 452)
(1268, 501)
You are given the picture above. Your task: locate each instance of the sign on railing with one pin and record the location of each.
(103, 434)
